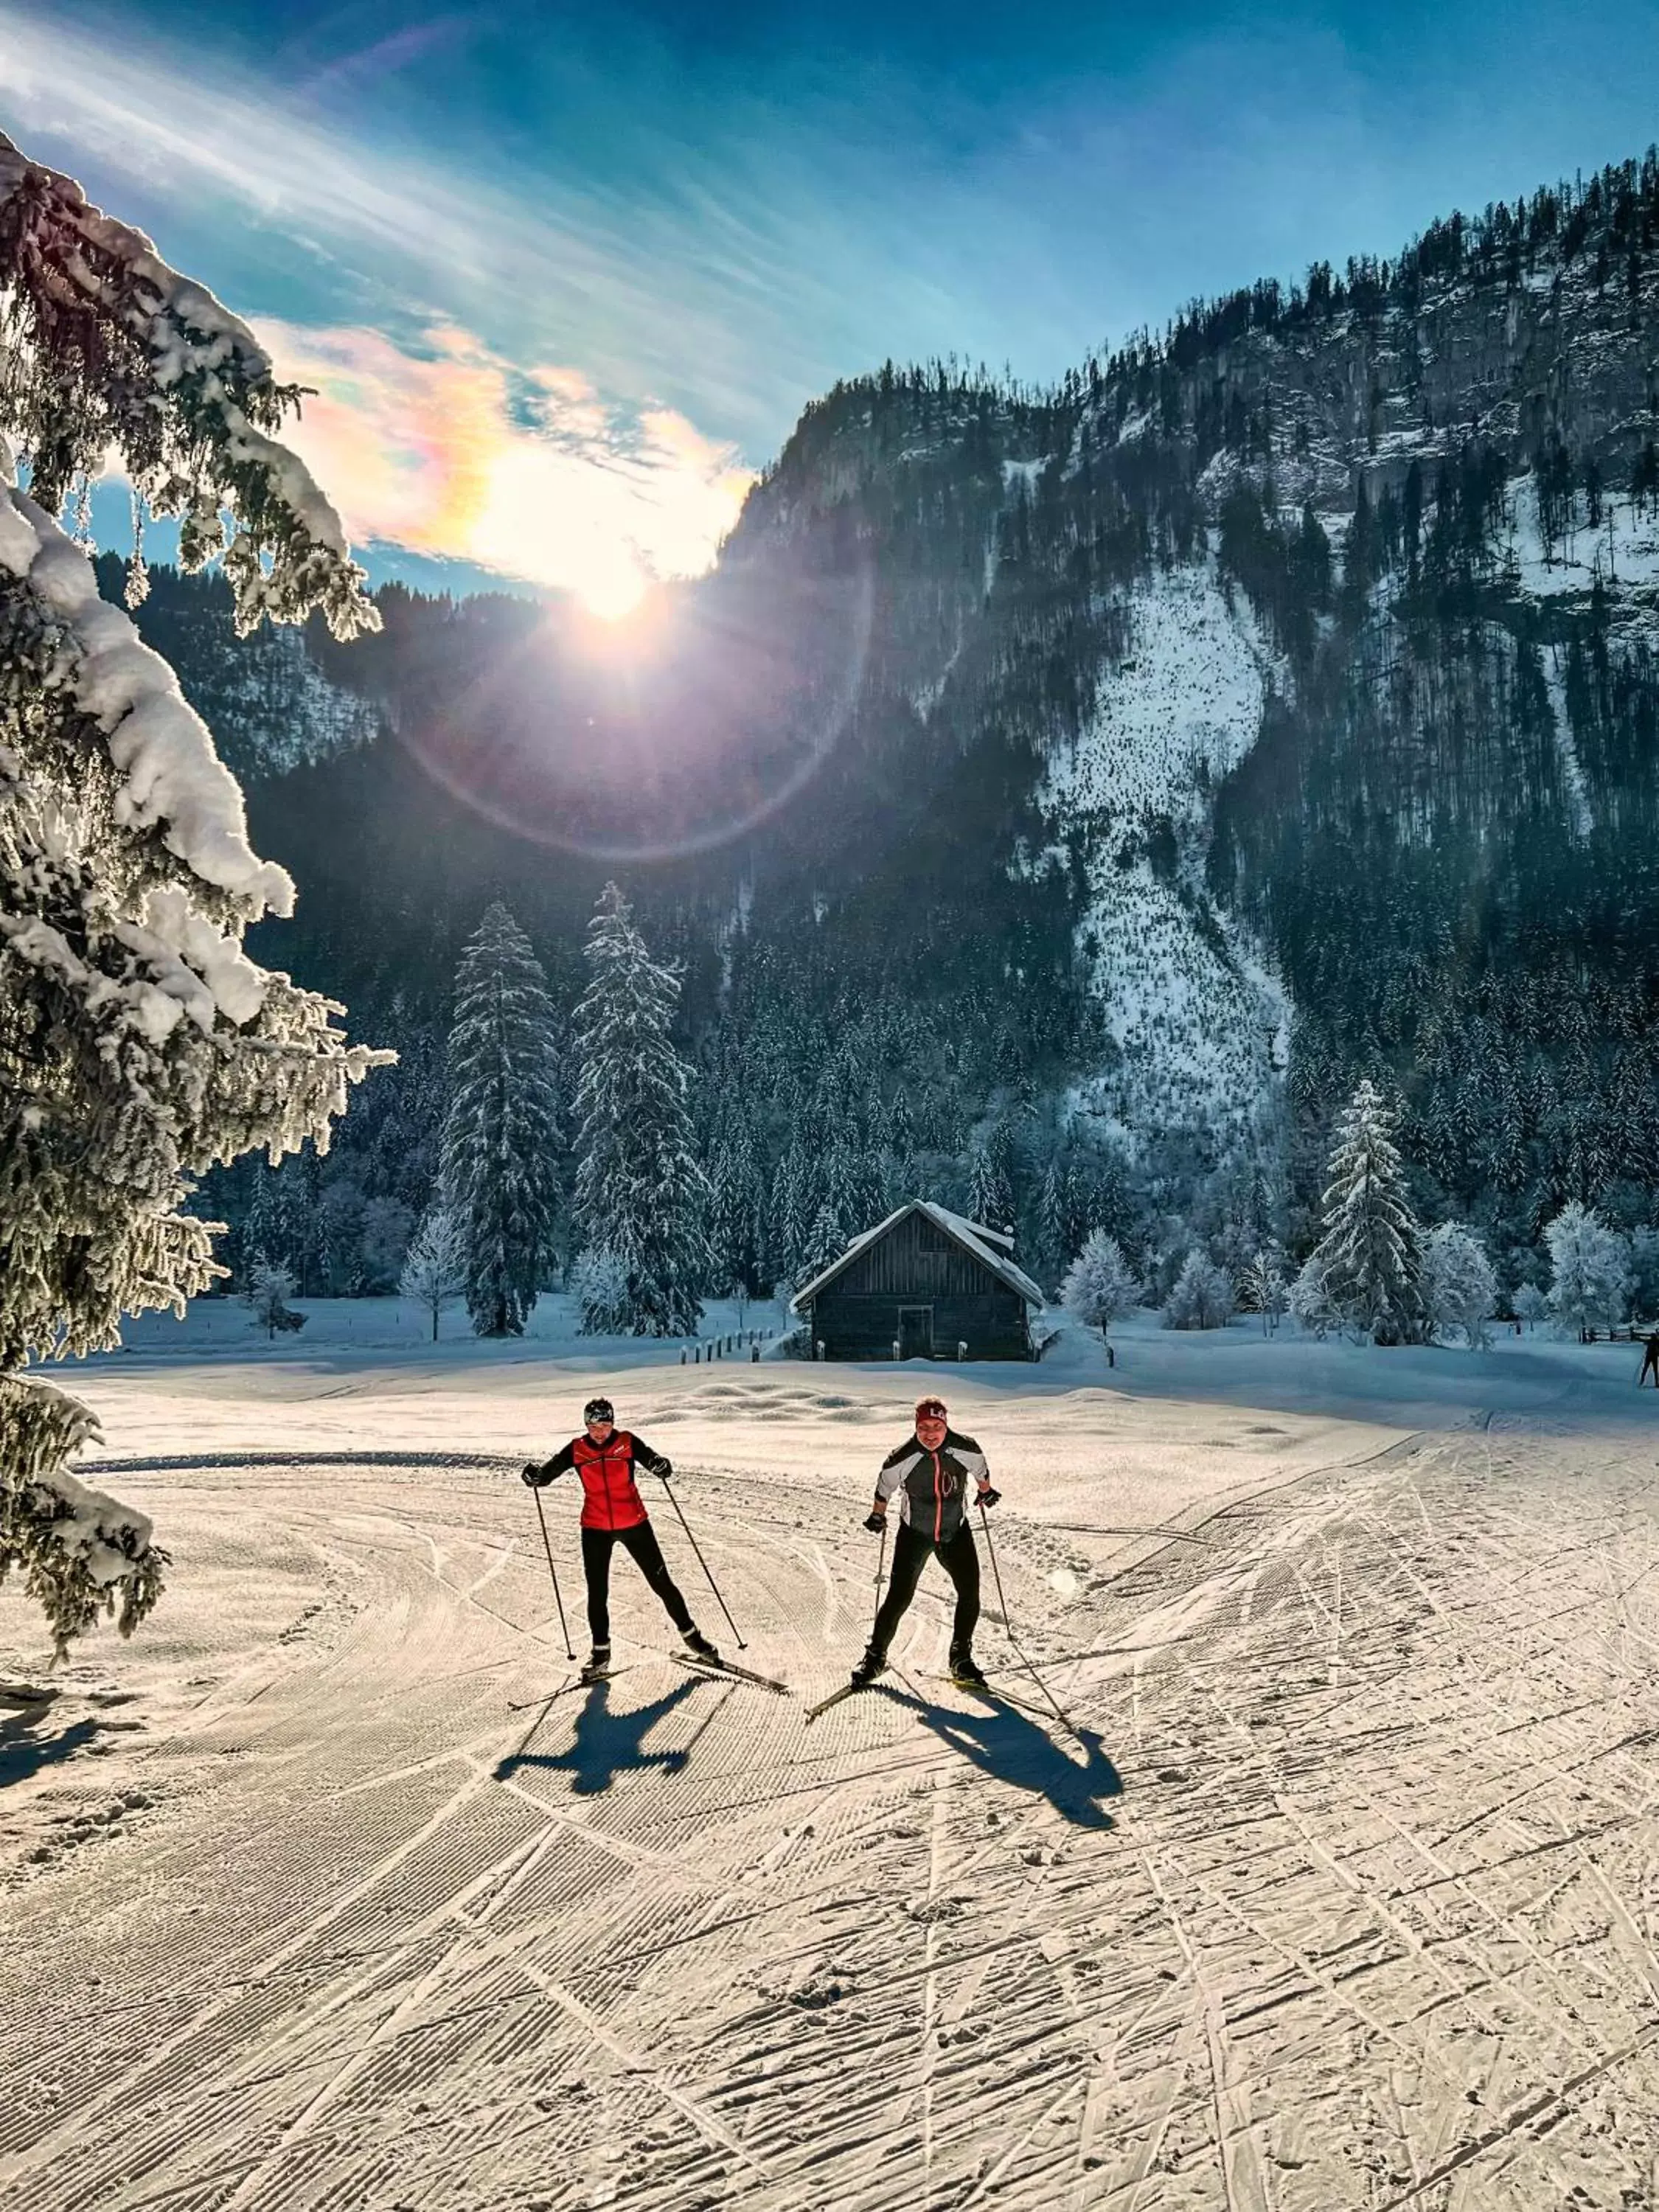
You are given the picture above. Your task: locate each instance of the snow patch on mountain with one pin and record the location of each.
(1201, 1026)
(1621, 550)
(1573, 772)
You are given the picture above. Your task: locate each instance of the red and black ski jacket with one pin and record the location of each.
(934, 1486)
(610, 1497)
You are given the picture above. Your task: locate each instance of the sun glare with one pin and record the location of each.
(613, 597)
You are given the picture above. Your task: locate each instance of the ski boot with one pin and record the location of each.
(700, 1648)
(965, 1671)
(873, 1663)
(598, 1664)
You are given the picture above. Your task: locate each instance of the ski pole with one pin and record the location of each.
(547, 1547)
(1008, 1626)
(704, 1564)
(881, 1562)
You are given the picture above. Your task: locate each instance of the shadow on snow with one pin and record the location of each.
(24, 1752)
(604, 1744)
(1005, 1745)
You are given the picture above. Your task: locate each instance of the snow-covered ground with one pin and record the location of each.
(1201, 1028)
(1341, 1891)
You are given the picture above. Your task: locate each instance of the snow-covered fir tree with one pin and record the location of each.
(270, 1287)
(1065, 1211)
(139, 1044)
(1099, 1284)
(640, 1193)
(1590, 1272)
(991, 1183)
(1460, 1288)
(825, 1243)
(736, 1216)
(1202, 1297)
(792, 1224)
(599, 1283)
(500, 1145)
(1370, 1252)
(1310, 1299)
(434, 1266)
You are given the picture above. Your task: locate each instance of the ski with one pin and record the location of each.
(850, 1688)
(713, 1667)
(847, 1690)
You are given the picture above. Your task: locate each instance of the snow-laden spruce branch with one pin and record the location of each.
(139, 1044)
(105, 346)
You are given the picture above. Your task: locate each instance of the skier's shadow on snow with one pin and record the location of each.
(1004, 1744)
(23, 1753)
(604, 1744)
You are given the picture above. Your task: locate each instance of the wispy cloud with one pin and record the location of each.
(636, 282)
(455, 451)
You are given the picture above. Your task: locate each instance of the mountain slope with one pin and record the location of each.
(1108, 771)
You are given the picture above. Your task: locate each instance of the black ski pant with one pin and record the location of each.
(912, 1549)
(640, 1542)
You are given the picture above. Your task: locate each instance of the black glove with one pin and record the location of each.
(534, 1476)
(875, 1523)
(665, 1469)
(987, 1495)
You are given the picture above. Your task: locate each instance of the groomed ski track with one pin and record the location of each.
(1352, 1900)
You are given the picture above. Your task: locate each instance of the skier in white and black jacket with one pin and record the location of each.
(931, 1474)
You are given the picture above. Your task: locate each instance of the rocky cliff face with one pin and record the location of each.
(1328, 621)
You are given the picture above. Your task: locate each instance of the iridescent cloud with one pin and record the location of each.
(455, 451)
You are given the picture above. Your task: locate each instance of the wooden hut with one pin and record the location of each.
(920, 1285)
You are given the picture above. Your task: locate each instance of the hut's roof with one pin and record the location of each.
(983, 1244)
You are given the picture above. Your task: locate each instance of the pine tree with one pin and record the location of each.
(1056, 1210)
(1370, 1255)
(501, 1145)
(599, 1283)
(790, 1224)
(139, 1044)
(269, 1288)
(990, 1184)
(639, 1192)
(825, 1243)
(1310, 1299)
(734, 1216)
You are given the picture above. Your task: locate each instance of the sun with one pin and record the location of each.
(613, 595)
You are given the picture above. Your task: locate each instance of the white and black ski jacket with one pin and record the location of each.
(934, 1488)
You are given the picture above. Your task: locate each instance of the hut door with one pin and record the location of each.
(915, 1331)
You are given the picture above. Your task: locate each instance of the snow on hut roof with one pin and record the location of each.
(975, 1239)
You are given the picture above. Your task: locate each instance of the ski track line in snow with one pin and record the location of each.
(1373, 1922)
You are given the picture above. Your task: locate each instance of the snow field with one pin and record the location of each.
(319, 1897)
(1202, 1035)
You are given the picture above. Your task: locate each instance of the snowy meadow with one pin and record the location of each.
(1311, 1868)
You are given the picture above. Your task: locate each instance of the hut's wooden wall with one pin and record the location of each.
(858, 1317)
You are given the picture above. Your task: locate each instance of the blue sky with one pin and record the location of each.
(597, 259)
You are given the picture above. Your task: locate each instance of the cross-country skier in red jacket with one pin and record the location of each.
(613, 1513)
(932, 1472)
